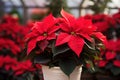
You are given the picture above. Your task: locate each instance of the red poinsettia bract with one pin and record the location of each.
(18, 68)
(116, 63)
(103, 22)
(42, 32)
(110, 55)
(7, 62)
(22, 67)
(75, 31)
(10, 45)
(102, 63)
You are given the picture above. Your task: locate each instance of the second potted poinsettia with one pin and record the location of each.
(110, 62)
(64, 43)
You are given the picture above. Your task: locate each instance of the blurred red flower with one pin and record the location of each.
(42, 32)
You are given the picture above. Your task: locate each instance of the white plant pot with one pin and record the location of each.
(55, 73)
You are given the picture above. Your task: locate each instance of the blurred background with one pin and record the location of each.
(32, 9)
(18, 16)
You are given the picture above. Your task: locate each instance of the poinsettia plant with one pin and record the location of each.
(110, 62)
(10, 35)
(104, 23)
(64, 41)
(12, 66)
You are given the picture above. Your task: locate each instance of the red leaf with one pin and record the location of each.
(102, 63)
(31, 35)
(1, 61)
(19, 72)
(76, 44)
(100, 36)
(51, 36)
(43, 44)
(53, 29)
(17, 67)
(110, 55)
(69, 18)
(38, 26)
(15, 49)
(113, 43)
(86, 36)
(7, 67)
(117, 63)
(39, 38)
(86, 25)
(117, 48)
(65, 27)
(62, 38)
(10, 60)
(49, 21)
(38, 66)
(31, 45)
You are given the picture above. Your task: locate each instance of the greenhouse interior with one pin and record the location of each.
(59, 39)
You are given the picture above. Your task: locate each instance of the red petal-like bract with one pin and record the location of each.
(69, 18)
(1, 61)
(49, 22)
(110, 55)
(74, 32)
(100, 36)
(43, 44)
(76, 44)
(62, 38)
(44, 30)
(31, 45)
(102, 63)
(117, 63)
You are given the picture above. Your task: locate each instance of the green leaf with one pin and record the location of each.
(90, 45)
(59, 49)
(115, 70)
(67, 65)
(91, 67)
(30, 56)
(29, 77)
(90, 49)
(43, 58)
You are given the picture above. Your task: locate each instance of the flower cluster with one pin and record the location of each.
(13, 69)
(101, 21)
(9, 45)
(18, 67)
(12, 66)
(111, 58)
(110, 27)
(64, 41)
(104, 23)
(10, 35)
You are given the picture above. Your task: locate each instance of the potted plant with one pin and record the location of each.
(11, 46)
(64, 43)
(110, 62)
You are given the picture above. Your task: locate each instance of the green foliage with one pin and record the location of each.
(115, 70)
(15, 12)
(59, 49)
(99, 6)
(67, 65)
(56, 6)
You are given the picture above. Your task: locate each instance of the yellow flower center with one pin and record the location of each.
(45, 34)
(73, 33)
